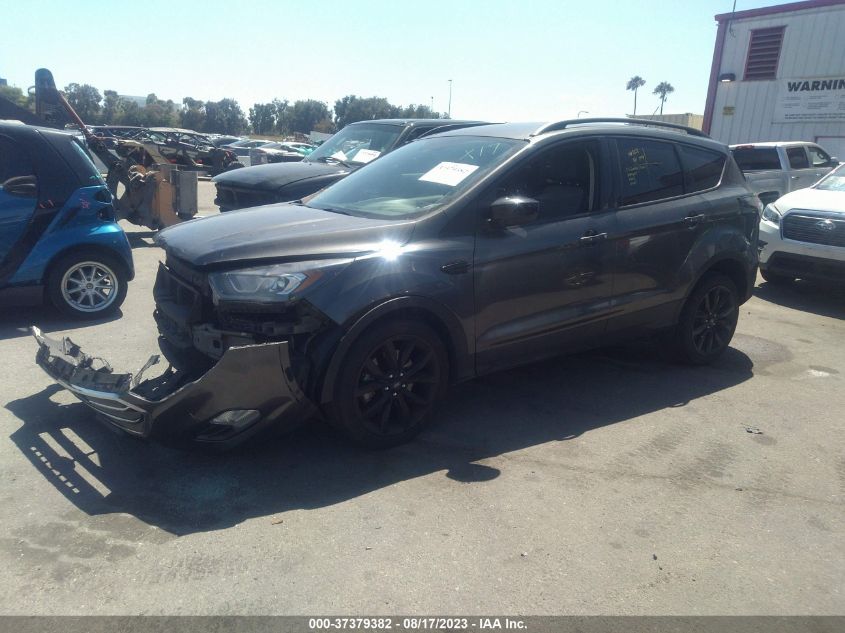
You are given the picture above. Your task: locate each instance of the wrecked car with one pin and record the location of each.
(465, 252)
(354, 146)
(59, 241)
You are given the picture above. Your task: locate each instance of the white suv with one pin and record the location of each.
(802, 234)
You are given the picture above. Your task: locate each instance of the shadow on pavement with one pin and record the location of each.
(808, 296)
(15, 321)
(102, 471)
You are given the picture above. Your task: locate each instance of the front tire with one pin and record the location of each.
(388, 384)
(708, 321)
(87, 285)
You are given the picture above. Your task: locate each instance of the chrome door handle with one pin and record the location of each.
(591, 237)
(694, 220)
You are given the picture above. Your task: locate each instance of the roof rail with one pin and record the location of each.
(560, 125)
(446, 127)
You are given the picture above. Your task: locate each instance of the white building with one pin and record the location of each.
(778, 74)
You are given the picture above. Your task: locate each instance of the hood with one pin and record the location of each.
(276, 175)
(812, 200)
(283, 232)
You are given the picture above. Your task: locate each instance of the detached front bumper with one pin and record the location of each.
(248, 389)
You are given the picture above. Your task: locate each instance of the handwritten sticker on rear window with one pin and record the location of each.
(365, 155)
(637, 162)
(448, 173)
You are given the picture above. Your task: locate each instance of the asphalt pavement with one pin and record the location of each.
(609, 482)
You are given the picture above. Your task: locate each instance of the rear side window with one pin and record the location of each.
(818, 157)
(650, 171)
(703, 167)
(756, 158)
(14, 160)
(797, 158)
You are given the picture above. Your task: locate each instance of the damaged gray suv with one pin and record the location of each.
(459, 254)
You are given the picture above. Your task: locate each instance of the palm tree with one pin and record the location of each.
(663, 90)
(635, 83)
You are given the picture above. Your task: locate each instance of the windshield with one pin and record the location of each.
(357, 144)
(417, 178)
(834, 181)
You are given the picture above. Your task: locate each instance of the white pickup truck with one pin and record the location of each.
(774, 169)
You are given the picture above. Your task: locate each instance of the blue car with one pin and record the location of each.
(59, 241)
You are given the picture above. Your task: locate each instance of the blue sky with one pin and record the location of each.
(529, 60)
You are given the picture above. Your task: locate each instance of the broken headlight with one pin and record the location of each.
(266, 284)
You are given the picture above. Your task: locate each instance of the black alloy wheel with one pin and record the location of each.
(389, 383)
(708, 320)
(714, 320)
(397, 384)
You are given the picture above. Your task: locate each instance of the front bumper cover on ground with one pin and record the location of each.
(248, 389)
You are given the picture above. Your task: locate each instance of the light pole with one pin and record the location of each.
(449, 111)
(580, 112)
(432, 104)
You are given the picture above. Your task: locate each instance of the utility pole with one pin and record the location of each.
(432, 104)
(449, 111)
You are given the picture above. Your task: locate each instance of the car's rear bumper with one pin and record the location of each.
(248, 389)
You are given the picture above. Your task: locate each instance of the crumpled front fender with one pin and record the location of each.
(252, 385)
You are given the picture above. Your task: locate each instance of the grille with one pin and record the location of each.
(115, 410)
(243, 198)
(814, 229)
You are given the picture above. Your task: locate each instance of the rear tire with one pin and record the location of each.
(87, 285)
(389, 383)
(775, 278)
(708, 321)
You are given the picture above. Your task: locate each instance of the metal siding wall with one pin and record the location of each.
(813, 46)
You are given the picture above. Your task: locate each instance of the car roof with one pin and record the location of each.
(531, 131)
(771, 144)
(12, 127)
(417, 122)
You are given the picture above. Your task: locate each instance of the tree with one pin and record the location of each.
(352, 108)
(224, 117)
(307, 114)
(192, 116)
(158, 113)
(419, 112)
(635, 83)
(283, 116)
(262, 118)
(14, 94)
(663, 90)
(85, 100)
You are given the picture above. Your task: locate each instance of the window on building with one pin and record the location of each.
(764, 53)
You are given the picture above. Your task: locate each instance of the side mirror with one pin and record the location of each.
(22, 186)
(833, 161)
(513, 211)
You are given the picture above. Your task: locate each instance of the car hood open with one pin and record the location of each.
(279, 232)
(276, 175)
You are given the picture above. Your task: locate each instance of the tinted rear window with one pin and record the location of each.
(650, 171)
(756, 158)
(702, 166)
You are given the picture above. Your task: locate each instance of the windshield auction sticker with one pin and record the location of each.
(365, 155)
(448, 173)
